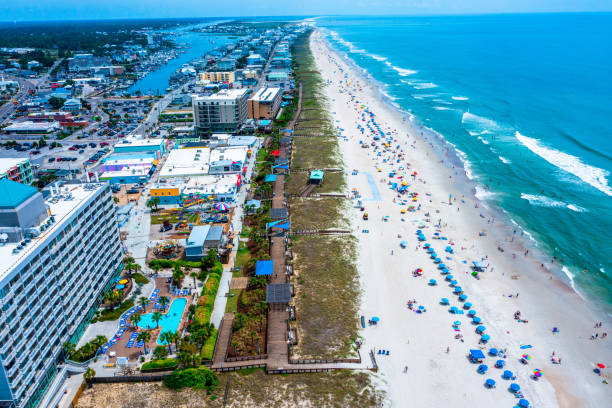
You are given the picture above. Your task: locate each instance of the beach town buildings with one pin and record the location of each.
(58, 256)
(85, 62)
(218, 76)
(201, 239)
(265, 103)
(156, 146)
(224, 111)
(72, 105)
(32, 128)
(18, 169)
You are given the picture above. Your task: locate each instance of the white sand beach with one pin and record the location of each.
(438, 372)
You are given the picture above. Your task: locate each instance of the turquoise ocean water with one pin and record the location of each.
(527, 100)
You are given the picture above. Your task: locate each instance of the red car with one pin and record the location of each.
(104, 144)
(72, 148)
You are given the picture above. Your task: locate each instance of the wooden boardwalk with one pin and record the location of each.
(277, 356)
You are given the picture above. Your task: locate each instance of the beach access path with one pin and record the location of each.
(427, 365)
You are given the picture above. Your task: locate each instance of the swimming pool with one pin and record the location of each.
(169, 321)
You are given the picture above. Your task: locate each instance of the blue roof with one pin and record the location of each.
(270, 177)
(12, 193)
(197, 236)
(264, 268)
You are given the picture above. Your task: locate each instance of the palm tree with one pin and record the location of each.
(69, 349)
(99, 341)
(185, 358)
(167, 337)
(177, 338)
(156, 268)
(163, 302)
(194, 275)
(156, 318)
(143, 302)
(88, 375)
(177, 276)
(145, 337)
(135, 318)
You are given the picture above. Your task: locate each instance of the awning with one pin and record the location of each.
(270, 178)
(263, 268)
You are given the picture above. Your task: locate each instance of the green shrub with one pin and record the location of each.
(89, 349)
(167, 363)
(114, 314)
(209, 347)
(140, 279)
(197, 378)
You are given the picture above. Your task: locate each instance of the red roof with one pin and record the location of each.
(275, 153)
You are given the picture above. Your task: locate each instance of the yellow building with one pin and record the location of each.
(220, 76)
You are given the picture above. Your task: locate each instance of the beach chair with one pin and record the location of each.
(140, 344)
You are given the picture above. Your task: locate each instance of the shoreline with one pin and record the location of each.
(538, 290)
(470, 187)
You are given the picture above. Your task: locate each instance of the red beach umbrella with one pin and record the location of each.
(601, 365)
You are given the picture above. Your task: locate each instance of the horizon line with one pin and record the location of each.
(305, 16)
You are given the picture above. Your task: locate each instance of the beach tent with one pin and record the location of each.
(514, 387)
(476, 354)
(507, 375)
(490, 383)
(479, 265)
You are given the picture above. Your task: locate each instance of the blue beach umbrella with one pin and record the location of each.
(500, 363)
(482, 368)
(523, 403)
(453, 282)
(449, 277)
(430, 249)
(444, 301)
(433, 282)
(441, 266)
(457, 323)
(427, 245)
(458, 289)
(476, 319)
(472, 313)
(467, 305)
(433, 255)
(514, 387)
(485, 337)
(493, 351)
(480, 329)
(462, 297)
(490, 383)
(449, 249)
(445, 270)
(376, 319)
(508, 375)
(454, 309)
(437, 260)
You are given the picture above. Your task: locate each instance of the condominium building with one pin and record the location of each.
(18, 169)
(57, 257)
(265, 103)
(224, 111)
(219, 76)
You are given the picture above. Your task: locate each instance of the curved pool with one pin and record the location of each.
(169, 322)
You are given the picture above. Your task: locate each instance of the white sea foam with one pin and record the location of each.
(442, 108)
(483, 194)
(482, 122)
(570, 276)
(504, 160)
(467, 165)
(424, 85)
(460, 98)
(543, 201)
(401, 71)
(591, 175)
(377, 57)
(483, 140)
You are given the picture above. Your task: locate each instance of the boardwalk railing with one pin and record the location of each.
(240, 367)
(246, 358)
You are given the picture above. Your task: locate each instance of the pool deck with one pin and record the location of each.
(134, 353)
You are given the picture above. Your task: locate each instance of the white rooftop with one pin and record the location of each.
(233, 153)
(127, 171)
(134, 142)
(223, 95)
(62, 209)
(266, 94)
(186, 162)
(211, 184)
(34, 126)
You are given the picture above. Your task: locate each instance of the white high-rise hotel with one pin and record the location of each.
(57, 257)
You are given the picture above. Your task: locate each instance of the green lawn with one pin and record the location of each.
(232, 301)
(242, 255)
(140, 279)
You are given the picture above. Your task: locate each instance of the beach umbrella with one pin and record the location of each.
(462, 297)
(449, 277)
(432, 282)
(221, 207)
(500, 363)
(444, 301)
(454, 309)
(514, 387)
(441, 266)
(490, 383)
(482, 368)
(523, 403)
(493, 351)
(481, 329)
(537, 372)
(427, 245)
(445, 270)
(433, 255)
(457, 323)
(472, 313)
(453, 282)
(476, 319)
(458, 289)
(421, 307)
(467, 305)
(508, 374)
(599, 365)
(437, 260)
(526, 357)
(485, 337)
(449, 249)
(376, 319)
(419, 231)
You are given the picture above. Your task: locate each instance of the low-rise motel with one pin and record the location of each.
(18, 169)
